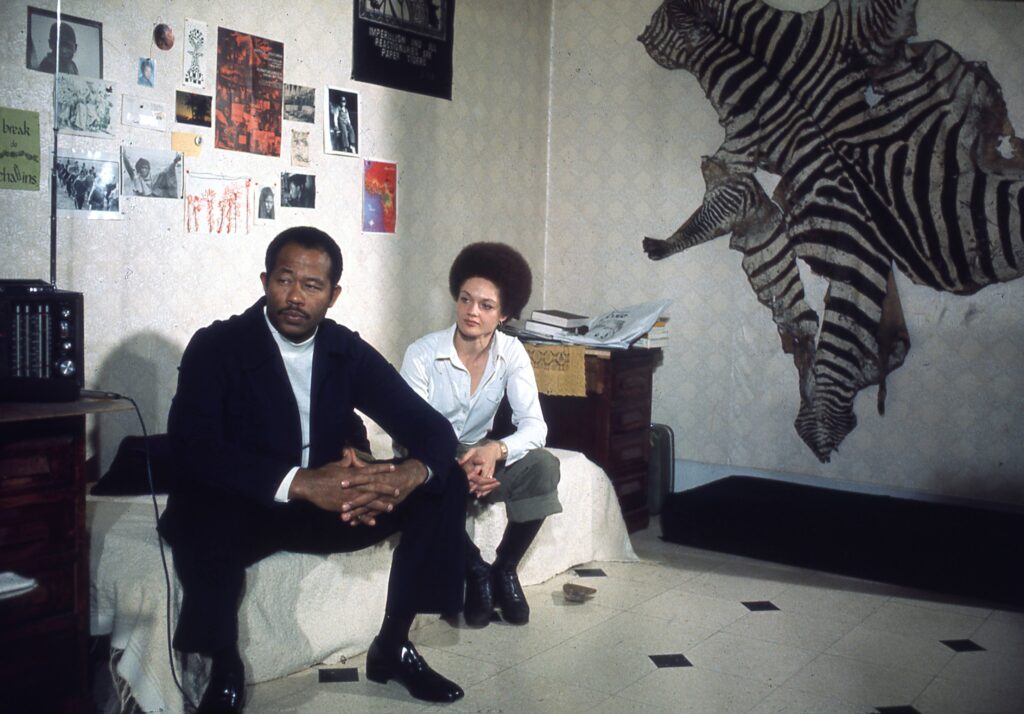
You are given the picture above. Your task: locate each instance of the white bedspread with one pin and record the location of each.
(300, 610)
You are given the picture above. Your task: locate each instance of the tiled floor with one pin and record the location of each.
(695, 631)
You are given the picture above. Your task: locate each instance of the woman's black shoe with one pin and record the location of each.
(412, 671)
(509, 596)
(225, 693)
(479, 596)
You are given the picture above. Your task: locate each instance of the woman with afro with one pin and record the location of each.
(463, 371)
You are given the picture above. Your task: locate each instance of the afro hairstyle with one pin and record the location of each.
(503, 265)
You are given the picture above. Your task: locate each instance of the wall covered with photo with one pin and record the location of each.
(468, 169)
(565, 139)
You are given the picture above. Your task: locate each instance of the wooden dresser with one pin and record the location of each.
(611, 425)
(44, 632)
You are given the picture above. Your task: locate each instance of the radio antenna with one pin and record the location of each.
(53, 169)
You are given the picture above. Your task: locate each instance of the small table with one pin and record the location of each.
(611, 424)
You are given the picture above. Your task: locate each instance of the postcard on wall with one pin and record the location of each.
(380, 196)
(195, 50)
(341, 128)
(217, 205)
(136, 111)
(155, 173)
(249, 89)
(298, 190)
(86, 107)
(19, 149)
(300, 148)
(193, 109)
(404, 46)
(265, 195)
(81, 44)
(87, 184)
(299, 103)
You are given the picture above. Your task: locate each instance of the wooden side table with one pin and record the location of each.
(44, 632)
(611, 425)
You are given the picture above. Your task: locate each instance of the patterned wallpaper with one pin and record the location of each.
(626, 141)
(567, 141)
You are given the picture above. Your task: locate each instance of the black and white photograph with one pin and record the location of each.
(266, 198)
(156, 173)
(87, 184)
(193, 109)
(299, 103)
(298, 190)
(80, 50)
(86, 107)
(341, 130)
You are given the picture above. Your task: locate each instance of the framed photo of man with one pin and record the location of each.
(81, 44)
(341, 130)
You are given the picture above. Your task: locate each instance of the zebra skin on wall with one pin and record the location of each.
(888, 153)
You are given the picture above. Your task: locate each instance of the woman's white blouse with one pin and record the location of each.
(433, 369)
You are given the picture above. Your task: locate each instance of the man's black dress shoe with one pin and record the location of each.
(479, 596)
(412, 671)
(509, 596)
(225, 693)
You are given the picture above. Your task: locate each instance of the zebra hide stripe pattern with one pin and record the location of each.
(889, 153)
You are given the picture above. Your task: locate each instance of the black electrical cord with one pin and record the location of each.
(99, 394)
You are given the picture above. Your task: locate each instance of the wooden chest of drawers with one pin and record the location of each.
(611, 425)
(44, 632)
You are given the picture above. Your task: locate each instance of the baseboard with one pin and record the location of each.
(691, 474)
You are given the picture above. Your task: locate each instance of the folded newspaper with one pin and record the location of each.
(616, 329)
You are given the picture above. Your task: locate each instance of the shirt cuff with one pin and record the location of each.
(282, 491)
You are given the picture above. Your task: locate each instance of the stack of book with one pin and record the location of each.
(657, 336)
(555, 324)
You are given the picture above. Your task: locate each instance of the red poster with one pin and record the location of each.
(250, 74)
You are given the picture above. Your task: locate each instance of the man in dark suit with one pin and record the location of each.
(259, 425)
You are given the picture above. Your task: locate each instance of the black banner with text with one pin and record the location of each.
(404, 45)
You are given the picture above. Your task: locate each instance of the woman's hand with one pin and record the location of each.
(478, 463)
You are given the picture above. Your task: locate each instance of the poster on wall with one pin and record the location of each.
(341, 130)
(405, 45)
(217, 205)
(194, 50)
(87, 184)
(299, 103)
(153, 173)
(86, 107)
(249, 93)
(380, 196)
(19, 149)
(81, 44)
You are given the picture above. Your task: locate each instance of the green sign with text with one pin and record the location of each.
(19, 149)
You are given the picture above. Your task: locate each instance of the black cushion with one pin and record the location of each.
(957, 549)
(127, 474)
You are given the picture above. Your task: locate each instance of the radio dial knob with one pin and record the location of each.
(66, 367)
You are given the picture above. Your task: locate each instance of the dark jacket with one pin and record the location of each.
(234, 422)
